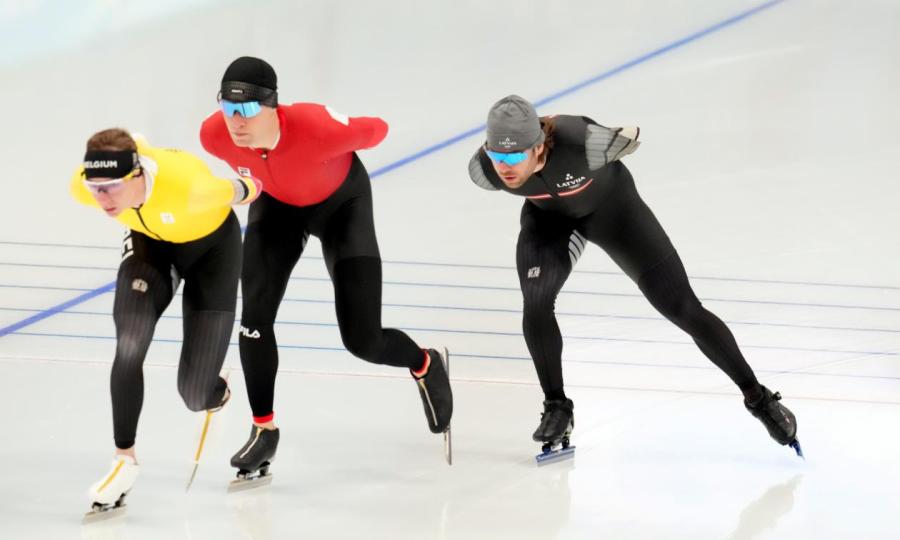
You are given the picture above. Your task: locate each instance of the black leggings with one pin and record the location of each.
(276, 235)
(548, 246)
(148, 277)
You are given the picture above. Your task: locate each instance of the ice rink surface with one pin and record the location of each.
(769, 155)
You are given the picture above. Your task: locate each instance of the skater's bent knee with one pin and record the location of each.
(366, 347)
(194, 404)
(195, 401)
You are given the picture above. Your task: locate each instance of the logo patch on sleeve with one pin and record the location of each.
(342, 118)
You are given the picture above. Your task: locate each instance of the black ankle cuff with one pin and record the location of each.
(753, 396)
(554, 395)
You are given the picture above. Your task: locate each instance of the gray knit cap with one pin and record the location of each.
(513, 125)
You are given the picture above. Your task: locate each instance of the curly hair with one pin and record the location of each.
(548, 126)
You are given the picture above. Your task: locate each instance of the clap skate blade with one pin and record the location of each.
(448, 440)
(551, 454)
(105, 512)
(448, 446)
(251, 480)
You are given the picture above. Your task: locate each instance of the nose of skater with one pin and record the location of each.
(509, 173)
(240, 128)
(236, 122)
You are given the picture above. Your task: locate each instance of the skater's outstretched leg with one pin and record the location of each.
(666, 286)
(357, 293)
(357, 301)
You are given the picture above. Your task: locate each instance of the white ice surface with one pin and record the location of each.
(769, 156)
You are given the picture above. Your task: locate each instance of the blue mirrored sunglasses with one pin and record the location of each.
(247, 109)
(511, 158)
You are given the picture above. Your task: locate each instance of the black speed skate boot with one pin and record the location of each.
(253, 459)
(437, 397)
(778, 419)
(557, 423)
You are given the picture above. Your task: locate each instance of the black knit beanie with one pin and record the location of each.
(250, 79)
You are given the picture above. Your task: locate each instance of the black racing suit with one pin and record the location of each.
(149, 275)
(585, 194)
(276, 237)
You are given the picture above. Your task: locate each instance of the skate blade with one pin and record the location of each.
(553, 456)
(448, 446)
(448, 440)
(191, 479)
(243, 484)
(206, 423)
(796, 446)
(100, 516)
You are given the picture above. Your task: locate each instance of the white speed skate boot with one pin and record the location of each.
(107, 495)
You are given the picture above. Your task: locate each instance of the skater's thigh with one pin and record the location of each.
(210, 293)
(144, 284)
(273, 243)
(206, 337)
(350, 248)
(210, 282)
(627, 230)
(547, 248)
(348, 232)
